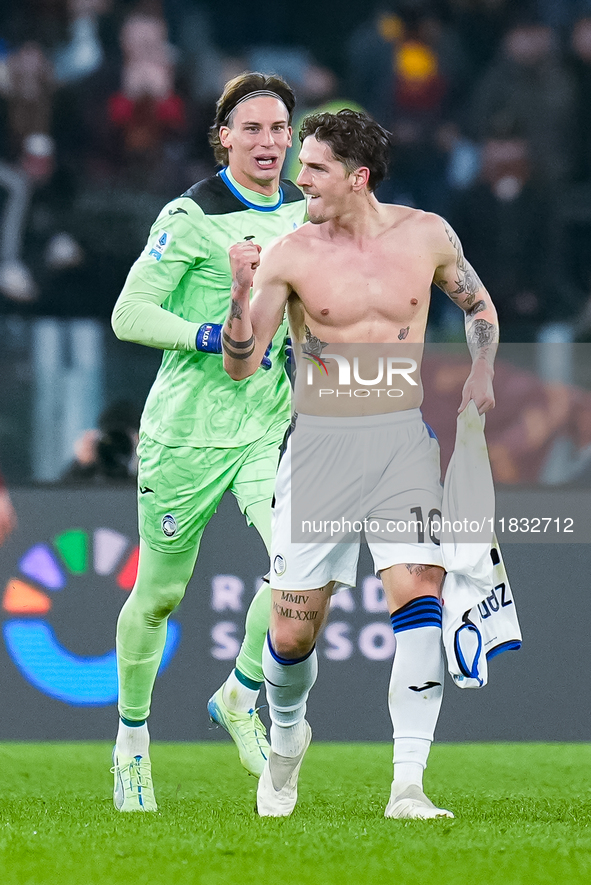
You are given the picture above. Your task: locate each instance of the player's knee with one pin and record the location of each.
(289, 644)
(167, 599)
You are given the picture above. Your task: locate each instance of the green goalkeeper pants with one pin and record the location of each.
(160, 586)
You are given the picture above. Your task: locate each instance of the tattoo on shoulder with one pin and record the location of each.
(468, 282)
(314, 345)
(403, 333)
(481, 333)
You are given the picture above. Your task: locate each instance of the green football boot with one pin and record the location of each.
(133, 790)
(246, 730)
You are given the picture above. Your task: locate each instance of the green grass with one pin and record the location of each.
(523, 815)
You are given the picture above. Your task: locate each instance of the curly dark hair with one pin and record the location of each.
(354, 139)
(234, 90)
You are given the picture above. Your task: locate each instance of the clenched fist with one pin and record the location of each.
(244, 260)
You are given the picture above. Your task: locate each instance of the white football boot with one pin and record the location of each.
(408, 802)
(277, 792)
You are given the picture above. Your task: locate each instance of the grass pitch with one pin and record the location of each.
(523, 815)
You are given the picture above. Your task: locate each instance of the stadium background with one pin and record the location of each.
(85, 165)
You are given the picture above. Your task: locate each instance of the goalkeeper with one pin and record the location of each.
(202, 433)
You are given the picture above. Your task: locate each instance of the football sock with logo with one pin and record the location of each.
(288, 683)
(416, 685)
(141, 628)
(133, 740)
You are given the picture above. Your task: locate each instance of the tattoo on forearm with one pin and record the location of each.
(468, 282)
(238, 350)
(314, 345)
(235, 313)
(416, 568)
(235, 310)
(294, 615)
(481, 334)
(238, 345)
(403, 333)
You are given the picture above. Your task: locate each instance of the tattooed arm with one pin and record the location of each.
(250, 325)
(458, 279)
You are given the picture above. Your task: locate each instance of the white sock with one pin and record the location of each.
(288, 686)
(416, 685)
(238, 697)
(410, 759)
(133, 741)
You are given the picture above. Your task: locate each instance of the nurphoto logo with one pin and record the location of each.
(389, 371)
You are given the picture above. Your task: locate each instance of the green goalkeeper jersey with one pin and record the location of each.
(185, 269)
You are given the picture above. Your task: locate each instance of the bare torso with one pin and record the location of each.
(365, 298)
(357, 284)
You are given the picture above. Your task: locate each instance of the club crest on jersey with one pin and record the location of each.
(159, 246)
(169, 525)
(279, 565)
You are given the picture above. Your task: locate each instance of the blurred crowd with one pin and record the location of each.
(105, 107)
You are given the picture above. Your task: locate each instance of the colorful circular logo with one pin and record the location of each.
(43, 571)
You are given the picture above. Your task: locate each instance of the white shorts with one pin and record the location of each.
(379, 475)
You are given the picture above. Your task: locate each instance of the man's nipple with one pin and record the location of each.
(324, 311)
(414, 301)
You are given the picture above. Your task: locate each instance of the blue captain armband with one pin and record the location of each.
(209, 338)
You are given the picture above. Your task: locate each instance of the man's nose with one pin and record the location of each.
(303, 177)
(267, 137)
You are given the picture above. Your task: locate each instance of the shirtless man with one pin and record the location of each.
(356, 281)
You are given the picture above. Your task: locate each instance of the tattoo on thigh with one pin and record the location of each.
(294, 614)
(296, 598)
(416, 568)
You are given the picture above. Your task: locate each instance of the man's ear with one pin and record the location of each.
(360, 178)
